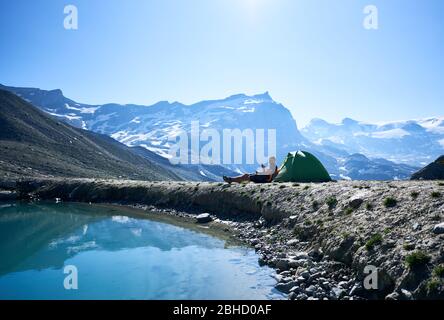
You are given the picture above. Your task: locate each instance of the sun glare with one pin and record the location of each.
(252, 4)
(254, 8)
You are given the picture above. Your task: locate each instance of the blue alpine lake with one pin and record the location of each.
(48, 249)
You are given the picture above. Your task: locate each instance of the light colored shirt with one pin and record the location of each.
(267, 171)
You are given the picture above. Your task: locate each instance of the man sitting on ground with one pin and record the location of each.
(265, 175)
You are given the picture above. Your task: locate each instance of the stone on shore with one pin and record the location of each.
(439, 228)
(286, 287)
(292, 242)
(8, 195)
(282, 264)
(204, 218)
(392, 296)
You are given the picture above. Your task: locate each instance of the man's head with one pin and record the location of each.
(272, 161)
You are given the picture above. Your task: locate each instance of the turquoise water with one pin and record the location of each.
(119, 257)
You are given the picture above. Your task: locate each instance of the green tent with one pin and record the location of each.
(302, 166)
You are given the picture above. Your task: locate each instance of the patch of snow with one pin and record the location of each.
(253, 101)
(344, 177)
(159, 151)
(208, 124)
(131, 140)
(433, 124)
(175, 131)
(247, 109)
(135, 120)
(90, 110)
(430, 123)
(102, 121)
(390, 134)
(119, 135)
(104, 117)
(156, 142)
(238, 171)
(335, 139)
(69, 117)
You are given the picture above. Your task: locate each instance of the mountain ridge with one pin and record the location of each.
(152, 126)
(34, 144)
(415, 142)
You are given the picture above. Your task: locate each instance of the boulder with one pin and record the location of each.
(282, 264)
(406, 295)
(338, 293)
(357, 290)
(286, 287)
(296, 263)
(292, 296)
(439, 228)
(204, 218)
(341, 249)
(301, 255)
(392, 296)
(355, 203)
(302, 296)
(8, 195)
(310, 290)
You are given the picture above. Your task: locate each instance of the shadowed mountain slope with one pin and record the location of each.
(434, 171)
(32, 143)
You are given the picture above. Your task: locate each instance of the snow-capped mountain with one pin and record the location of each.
(359, 167)
(152, 127)
(414, 142)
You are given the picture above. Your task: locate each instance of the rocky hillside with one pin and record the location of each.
(320, 237)
(32, 143)
(433, 171)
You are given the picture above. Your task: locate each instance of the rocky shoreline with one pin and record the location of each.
(321, 238)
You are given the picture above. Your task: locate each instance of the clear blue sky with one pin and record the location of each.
(314, 56)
